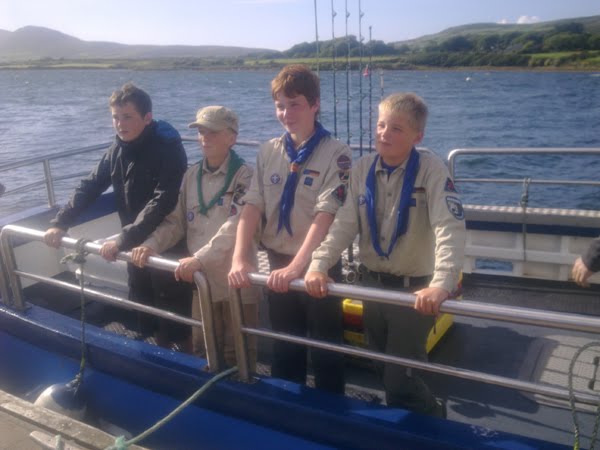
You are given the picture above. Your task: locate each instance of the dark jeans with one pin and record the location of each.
(141, 291)
(299, 314)
(159, 288)
(399, 331)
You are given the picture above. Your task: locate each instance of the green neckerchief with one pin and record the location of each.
(235, 162)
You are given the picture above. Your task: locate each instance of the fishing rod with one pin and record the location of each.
(333, 55)
(361, 97)
(317, 38)
(348, 97)
(370, 66)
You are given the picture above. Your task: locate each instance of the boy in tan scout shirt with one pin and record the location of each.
(403, 205)
(207, 215)
(299, 184)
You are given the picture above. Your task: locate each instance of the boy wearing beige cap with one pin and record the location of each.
(404, 208)
(207, 215)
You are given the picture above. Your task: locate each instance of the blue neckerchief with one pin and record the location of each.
(410, 175)
(297, 158)
(387, 167)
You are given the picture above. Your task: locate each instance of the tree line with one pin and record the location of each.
(512, 48)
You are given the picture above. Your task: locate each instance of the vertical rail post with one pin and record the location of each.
(239, 337)
(208, 327)
(9, 262)
(49, 183)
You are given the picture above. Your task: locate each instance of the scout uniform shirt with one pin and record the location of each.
(321, 187)
(211, 237)
(435, 238)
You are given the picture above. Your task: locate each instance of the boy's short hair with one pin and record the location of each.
(410, 104)
(129, 93)
(294, 80)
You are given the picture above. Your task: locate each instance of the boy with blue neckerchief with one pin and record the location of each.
(299, 184)
(409, 218)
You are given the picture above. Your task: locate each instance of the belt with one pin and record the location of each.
(396, 280)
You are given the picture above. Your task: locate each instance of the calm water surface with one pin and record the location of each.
(44, 112)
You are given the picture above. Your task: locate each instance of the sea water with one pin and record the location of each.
(47, 111)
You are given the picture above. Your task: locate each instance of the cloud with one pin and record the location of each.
(528, 19)
(503, 21)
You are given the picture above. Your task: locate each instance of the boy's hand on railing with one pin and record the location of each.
(140, 255)
(430, 299)
(316, 283)
(186, 268)
(238, 275)
(53, 236)
(109, 250)
(279, 280)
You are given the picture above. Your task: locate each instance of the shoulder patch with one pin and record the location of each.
(344, 162)
(275, 178)
(339, 193)
(344, 175)
(238, 193)
(449, 187)
(455, 207)
(233, 211)
(361, 200)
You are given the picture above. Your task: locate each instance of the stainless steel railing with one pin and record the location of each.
(18, 302)
(456, 154)
(465, 308)
(49, 179)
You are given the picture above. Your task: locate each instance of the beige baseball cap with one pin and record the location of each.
(216, 118)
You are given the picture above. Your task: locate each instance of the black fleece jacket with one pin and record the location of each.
(145, 175)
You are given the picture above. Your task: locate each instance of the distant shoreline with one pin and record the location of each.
(151, 65)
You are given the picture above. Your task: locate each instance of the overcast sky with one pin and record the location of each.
(273, 24)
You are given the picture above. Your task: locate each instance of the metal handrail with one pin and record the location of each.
(14, 275)
(466, 308)
(459, 152)
(49, 179)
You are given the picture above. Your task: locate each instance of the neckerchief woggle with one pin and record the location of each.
(410, 175)
(297, 158)
(235, 162)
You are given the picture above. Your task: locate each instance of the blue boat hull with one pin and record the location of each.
(134, 384)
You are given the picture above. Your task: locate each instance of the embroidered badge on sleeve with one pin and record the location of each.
(450, 186)
(344, 162)
(339, 193)
(455, 207)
